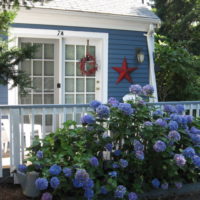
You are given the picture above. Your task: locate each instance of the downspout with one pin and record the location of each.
(152, 76)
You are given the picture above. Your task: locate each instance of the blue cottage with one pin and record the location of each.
(80, 45)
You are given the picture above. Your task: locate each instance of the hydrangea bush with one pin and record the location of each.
(120, 151)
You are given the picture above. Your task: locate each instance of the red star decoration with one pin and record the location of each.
(124, 71)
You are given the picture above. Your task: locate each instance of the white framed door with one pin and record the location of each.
(80, 88)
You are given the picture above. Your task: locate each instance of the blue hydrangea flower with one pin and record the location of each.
(195, 130)
(41, 183)
(89, 193)
(94, 104)
(139, 155)
(120, 192)
(81, 175)
(67, 171)
(164, 186)
(196, 160)
(189, 118)
(88, 184)
(39, 154)
(189, 152)
(180, 108)
(178, 185)
(148, 123)
(77, 183)
(159, 146)
(103, 190)
(195, 138)
(135, 89)
(177, 118)
(46, 196)
(113, 174)
(170, 109)
(94, 161)
(22, 168)
(123, 163)
(55, 170)
(155, 183)
(117, 152)
(115, 166)
(138, 146)
(126, 108)
(173, 125)
(113, 102)
(54, 182)
(180, 160)
(158, 113)
(174, 135)
(161, 122)
(148, 90)
(109, 146)
(103, 111)
(87, 119)
(132, 196)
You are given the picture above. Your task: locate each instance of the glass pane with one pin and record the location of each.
(48, 120)
(79, 98)
(69, 69)
(37, 84)
(48, 99)
(38, 119)
(90, 85)
(48, 51)
(37, 68)
(80, 52)
(78, 71)
(25, 44)
(26, 99)
(69, 52)
(69, 99)
(92, 50)
(49, 84)
(37, 99)
(26, 66)
(48, 68)
(80, 85)
(88, 67)
(90, 97)
(38, 53)
(69, 85)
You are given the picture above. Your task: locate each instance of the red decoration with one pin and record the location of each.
(91, 61)
(124, 71)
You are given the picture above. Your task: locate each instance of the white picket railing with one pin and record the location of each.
(22, 122)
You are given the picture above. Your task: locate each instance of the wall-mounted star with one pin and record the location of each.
(124, 71)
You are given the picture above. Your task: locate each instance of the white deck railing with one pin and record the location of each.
(22, 122)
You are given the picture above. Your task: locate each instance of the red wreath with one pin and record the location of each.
(92, 62)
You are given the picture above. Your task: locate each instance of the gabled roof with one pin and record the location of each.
(112, 7)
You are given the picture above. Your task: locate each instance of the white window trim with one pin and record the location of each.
(16, 33)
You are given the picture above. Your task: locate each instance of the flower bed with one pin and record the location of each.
(121, 151)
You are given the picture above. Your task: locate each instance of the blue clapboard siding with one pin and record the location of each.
(3, 94)
(122, 44)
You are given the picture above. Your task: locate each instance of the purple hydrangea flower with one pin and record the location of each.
(195, 138)
(158, 113)
(67, 171)
(196, 160)
(148, 123)
(180, 108)
(22, 168)
(148, 90)
(46, 196)
(139, 155)
(126, 108)
(170, 109)
(109, 146)
(195, 130)
(54, 182)
(103, 190)
(94, 161)
(180, 160)
(135, 89)
(39, 154)
(138, 146)
(177, 118)
(156, 183)
(88, 184)
(174, 135)
(164, 186)
(94, 104)
(132, 196)
(120, 192)
(87, 119)
(178, 185)
(41, 183)
(89, 193)
(113, 174)
(189, 152)
(55, 170)
(173, 125)
(113, 102)
(117, 152)
(161, 122)
(123, 163)
(189, 118)
(81, 177)
(103, 111)
(115, 166)
(159, 146)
